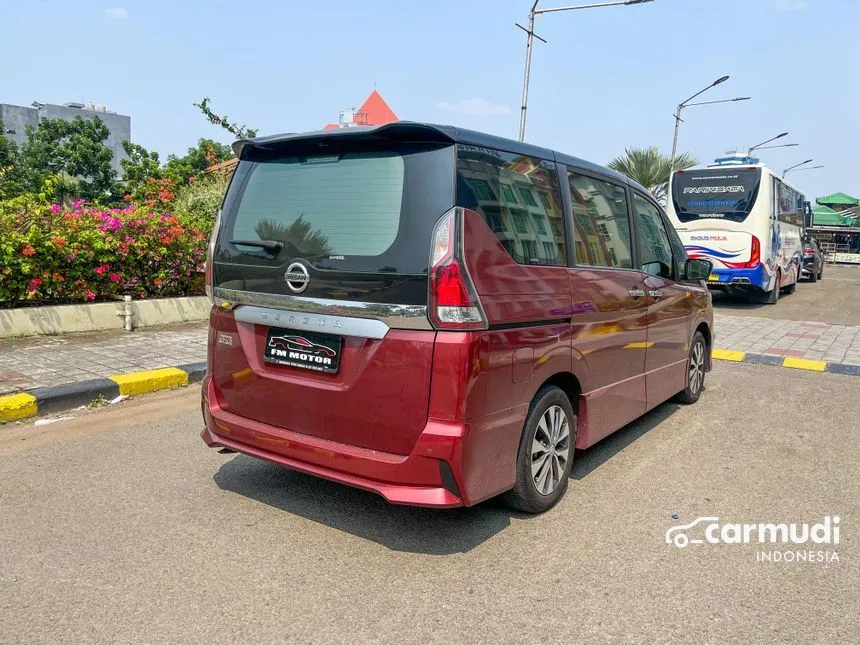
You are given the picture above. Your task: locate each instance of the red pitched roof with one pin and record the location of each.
(377, 110)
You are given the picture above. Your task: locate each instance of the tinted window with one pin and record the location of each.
(721, 193)
(366, 205)
(655, 249)
(340, 205)
(521, 203)
(788, 203)
(601, 224)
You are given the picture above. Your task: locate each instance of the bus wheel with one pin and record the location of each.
(772, 297)
(790, 288)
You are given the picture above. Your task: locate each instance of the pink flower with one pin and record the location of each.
(77, 203)
(114, 277)
(56, 208)
(35, 283)
(101, 268)
(90, 295)
(72, 256)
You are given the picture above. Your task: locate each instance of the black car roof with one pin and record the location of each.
(453, 134)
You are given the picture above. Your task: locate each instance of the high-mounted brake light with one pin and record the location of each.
(755, 254)
(453, 301)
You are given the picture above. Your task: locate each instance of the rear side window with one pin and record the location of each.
(345, 204)
(601, 224)
(519, 198)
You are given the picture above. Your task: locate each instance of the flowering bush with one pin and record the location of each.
(58, 254)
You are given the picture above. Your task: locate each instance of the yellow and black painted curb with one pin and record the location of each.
(786, 361)
(44, 400)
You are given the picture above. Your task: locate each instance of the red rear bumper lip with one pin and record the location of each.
(394, 493)
(401, 479)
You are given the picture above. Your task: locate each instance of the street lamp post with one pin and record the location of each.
(531, 35)
(799, 169)
(784, 145)
(759, 145)
(687, 103)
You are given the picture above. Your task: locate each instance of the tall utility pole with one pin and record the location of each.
(686, 103)
(531, 35)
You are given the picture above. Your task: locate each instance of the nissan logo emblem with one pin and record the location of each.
(297, 277)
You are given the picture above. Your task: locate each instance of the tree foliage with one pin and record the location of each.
(11, 178)
(651, 168)
(140, 166)
(238, 131)
(204, 155)
(76, 149)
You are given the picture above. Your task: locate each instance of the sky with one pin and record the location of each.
(607, 79)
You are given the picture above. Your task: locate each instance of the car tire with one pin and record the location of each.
(696, 363)
(821, 273)
(772, 297)
(541, 483)
(813, 277)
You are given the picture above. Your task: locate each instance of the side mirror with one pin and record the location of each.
(696, 269)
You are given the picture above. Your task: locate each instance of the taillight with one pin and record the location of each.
(808, 252)
(453, 301)
(210, 254)
(755, 254)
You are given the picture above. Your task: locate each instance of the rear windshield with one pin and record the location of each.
(718, 193)
(364, 206)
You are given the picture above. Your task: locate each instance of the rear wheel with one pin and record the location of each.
(695, 370)
(545, 455)
(813, 276)
(821, 273)
(790, 288)
(772, 297)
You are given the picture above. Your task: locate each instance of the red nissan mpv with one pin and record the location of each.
(439, 315)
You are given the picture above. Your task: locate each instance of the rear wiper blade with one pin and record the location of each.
(273, 246)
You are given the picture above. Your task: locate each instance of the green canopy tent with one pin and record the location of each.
(826, 216)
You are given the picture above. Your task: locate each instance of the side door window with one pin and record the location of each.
(600, 222)
(655, 249)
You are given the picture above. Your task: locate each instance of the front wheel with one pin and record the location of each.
(545, 455)
(695, 370)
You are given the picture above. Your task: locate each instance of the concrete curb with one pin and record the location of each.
(786, 361)
(45, 400)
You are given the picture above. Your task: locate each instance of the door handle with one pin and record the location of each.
(636, 293)
(656, 293)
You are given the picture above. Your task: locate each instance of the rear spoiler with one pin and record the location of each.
(398, 130)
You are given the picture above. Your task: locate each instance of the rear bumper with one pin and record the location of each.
(444, 469)
(758, 277)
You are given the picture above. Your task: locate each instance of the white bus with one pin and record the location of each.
(747, 221)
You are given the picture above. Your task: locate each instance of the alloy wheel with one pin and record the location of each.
(550, 449)
(697, 368)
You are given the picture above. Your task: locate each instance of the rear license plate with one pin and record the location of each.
(303, 349)
(713, 278)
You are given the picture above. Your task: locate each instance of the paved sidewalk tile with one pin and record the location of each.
(40, 361)
(788, 338)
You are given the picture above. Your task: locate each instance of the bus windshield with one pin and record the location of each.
(715, 193)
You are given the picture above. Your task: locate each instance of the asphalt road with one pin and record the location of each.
(121, 527)
(833, 300)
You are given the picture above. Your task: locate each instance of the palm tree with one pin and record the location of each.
(651, 168)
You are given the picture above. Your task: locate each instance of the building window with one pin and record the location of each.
(510, 195)
(538, 222)
(520, 223)
(528, 198)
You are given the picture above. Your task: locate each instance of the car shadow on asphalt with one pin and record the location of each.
(364, 514)
(403, 528)
(723, 300)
